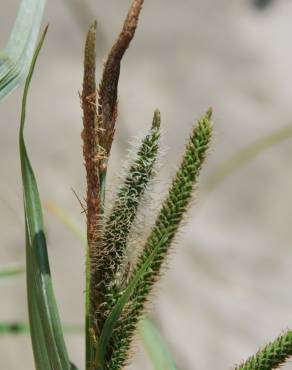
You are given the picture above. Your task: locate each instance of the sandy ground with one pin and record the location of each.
(228, 287)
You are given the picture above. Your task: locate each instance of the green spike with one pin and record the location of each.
(272, 356)
(162, 234)
(110, 256)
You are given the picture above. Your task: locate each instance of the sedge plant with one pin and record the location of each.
(118, 287)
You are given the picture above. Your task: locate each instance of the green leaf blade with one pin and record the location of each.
(8, 272)
(46, 332)
(13, 328)
(156, 347)
(246, 156)
(18, 52)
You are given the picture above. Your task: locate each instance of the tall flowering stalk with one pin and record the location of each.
(116, 294)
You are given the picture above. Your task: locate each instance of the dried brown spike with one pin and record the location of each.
(88, 98)
(108, 88)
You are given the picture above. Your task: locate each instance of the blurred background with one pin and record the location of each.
(227, 290)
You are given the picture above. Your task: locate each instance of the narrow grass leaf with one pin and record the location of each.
(7, 272)
(18, 52)
(156, 346)
(245, 156)
(16, 328)
(13, 328)
(46, 331)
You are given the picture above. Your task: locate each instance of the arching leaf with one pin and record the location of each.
(18, 52)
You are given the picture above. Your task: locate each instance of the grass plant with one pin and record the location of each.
(118, 287)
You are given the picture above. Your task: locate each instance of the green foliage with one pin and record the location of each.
(156, 346)
(272, 356)
(17, 54)
(246, 155)
(17, 328)
(11, 272)
(46, 331)
(14, 328)
(152, 340)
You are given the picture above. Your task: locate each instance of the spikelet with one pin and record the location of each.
(159, 241)
(108, 88)
(90, 154)
(108, 262)
(88, 134)
(272, 356)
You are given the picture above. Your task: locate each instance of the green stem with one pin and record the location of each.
(90, 339)
(88, 344)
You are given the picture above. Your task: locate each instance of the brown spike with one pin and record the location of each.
(89, 129)
(108, 88)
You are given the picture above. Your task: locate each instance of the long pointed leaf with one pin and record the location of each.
(16, 328)
(6, 272)
(46, 332)
(16, 56)
(245, 156)
(156, 346)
